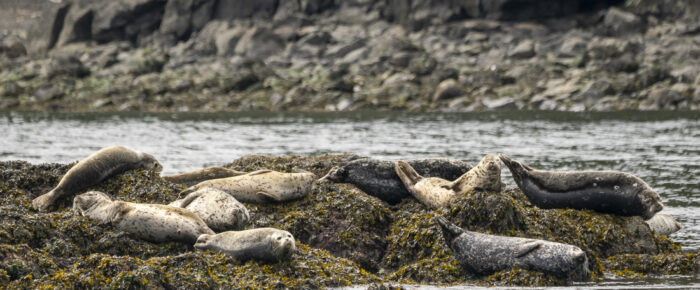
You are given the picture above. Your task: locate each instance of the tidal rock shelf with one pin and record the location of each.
(344, 237)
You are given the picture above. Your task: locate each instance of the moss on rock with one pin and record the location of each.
(344, 237)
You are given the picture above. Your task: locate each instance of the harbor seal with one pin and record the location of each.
(261, 186)
(485, 254)
(663, 224)
(436, 192)
(611, 192)
(151, 222)
(378, 177)
(263, 244)
(197, 176)
(219, 210)
(92, 170)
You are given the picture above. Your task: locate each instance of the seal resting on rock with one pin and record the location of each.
(92, 170)
(663, 224)
(436, 192)
(378, 177)
(219, 210)
(262, 244)
(611, 192)
(197, 176)
(485, 254)
(151, 222)
(261, 186)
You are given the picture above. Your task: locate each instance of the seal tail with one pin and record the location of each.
(449, 230)
(406, 173)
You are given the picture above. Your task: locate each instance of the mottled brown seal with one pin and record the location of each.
(262, 186)
(378, 178)
(197, 176)
(92, 170)
(611, 192)
(219, 210)
(263, 244)
(485, 254)
(437, 192)
(151, 222)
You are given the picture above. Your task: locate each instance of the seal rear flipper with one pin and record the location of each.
(449, 230)
(202, 240)
(527, 248)
(407, 174)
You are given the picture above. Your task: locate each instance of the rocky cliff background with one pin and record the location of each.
(425, 55)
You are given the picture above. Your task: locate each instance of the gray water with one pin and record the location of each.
(663, 148)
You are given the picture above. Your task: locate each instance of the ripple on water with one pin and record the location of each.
(662, 148)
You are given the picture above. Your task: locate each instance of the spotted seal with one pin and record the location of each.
(92, 170)
(197, 176)
(378, 178)
(485, 254)
(151, 222)
(219, 210)
(262, 186)
(263, 244)
(436, 192)
(663, 224)
(611, 192)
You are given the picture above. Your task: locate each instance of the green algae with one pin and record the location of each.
(344, 237)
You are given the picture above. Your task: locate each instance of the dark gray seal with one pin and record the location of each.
(378, 177)
(92, 170)
(193, 177)
(611, 192)
(485, 254)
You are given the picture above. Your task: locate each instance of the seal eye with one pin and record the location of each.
(279, 238)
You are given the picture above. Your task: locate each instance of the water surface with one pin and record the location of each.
(663, 148)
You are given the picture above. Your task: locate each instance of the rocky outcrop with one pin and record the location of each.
(438, 55)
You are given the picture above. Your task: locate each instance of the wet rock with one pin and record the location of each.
(67, 64)
(447, 89)
(573, 46)
(422, 64)
(48, 93)
(12, 48)
(619, 22)
(44, 33)
(259, 43)
(686, 74)
(77, 25)
(182, 17)
(505, 103)
(525, 49)
(236, 9)
(226, 41)
(130, 20)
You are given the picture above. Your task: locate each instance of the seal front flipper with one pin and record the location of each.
(186, 192)
(527, 248)
(407, 174)
(266, 196)
(43, 202)
(449, 230)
